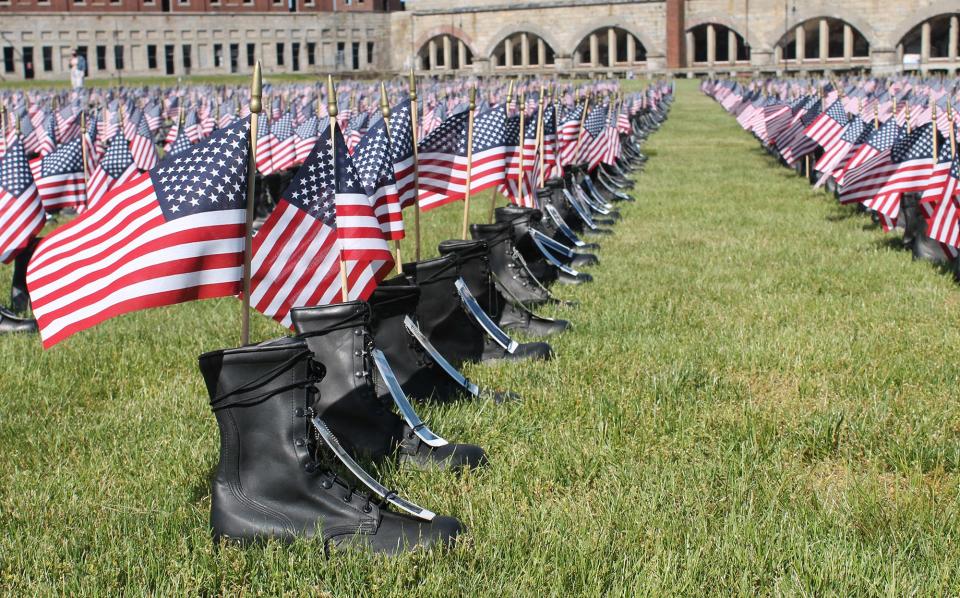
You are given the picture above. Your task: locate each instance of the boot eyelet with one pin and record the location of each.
(300, 442)
(298, 412)
(348, 498)
(326, 484)
(367, 509)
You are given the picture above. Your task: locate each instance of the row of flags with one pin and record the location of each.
(873, 139)
(155, 230)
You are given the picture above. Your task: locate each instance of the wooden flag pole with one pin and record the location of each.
(540, 130)
(493, 192)
(416, 168)
(83, 145)
(933, 122)
(332, 110)
(583, 119)
(256, 92)
(521, 142)
(466, 192)
(953, 138)
(385, 112)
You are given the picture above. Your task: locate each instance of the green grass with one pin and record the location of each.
(758, 398)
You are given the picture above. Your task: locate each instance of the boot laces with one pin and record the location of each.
(316, 373)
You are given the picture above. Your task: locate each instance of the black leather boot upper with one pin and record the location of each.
(516, 282)
(19, 297)
(10, 323)
(269, 482)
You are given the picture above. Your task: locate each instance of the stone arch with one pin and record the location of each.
(525, 27)
(808, 47)
(584, 32)
(938, 33)
(917, 17)
(522, 49)
(736, 24)
(450, 30)
(444, 50)
(728, 45)
(807, 15)
(609, 47)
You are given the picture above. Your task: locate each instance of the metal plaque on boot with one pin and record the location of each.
(365, 478)
(526, 268)
(594, 198)
(551, 259)
(488, 325)
(439, 359)
(552, 244)
(580, 210)
(562, 225)
(403, 404)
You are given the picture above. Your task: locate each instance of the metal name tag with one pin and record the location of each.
(591, 201)
(579, 209)
(439, 359)
(551, 259)
(562, 225)
(488, 325)
(364, 477)
(400, 399)
(597, 198)
(553, 244)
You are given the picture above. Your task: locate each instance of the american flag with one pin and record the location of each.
(265, 143)
(854, 134)
(166, 236)
(152, 115)
(375, 170)
(908, 170)
(284, 154)
(305, 137)
(443, 158)
(142, 148)
(827, 128)
(401, 142)
(879, 142)
(355, 130)
(515, 187)
(21, 213)
(182, 129)
(68, 123)
(568, 133)
(59, 177)
(945, 224)
(114, 169)
(593, 126)
(322, 217)
(795, 144)
(180, 143)
(90, 142)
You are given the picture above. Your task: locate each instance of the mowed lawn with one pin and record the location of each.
(758, 397)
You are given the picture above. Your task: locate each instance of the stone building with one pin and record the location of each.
(566, 37)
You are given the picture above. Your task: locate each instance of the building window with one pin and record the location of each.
(295, 55)
(47, 59)
(7, 59)
(187, 58)
(118, 58)
(217, 55)
(151, 56)
(279, 53)
(355, 52)
(101, 58)
(369, 52)
(341, 58)
(312, 53)
(251, 54)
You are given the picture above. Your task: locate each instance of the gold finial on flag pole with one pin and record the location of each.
(256, 92)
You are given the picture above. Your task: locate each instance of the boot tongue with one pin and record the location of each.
(464, 248)
(393, 300)
(327, 318)
(491, 233)
(427, 270)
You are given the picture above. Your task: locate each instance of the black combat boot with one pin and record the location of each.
(523, 219)
(10, 323)
(510, 271)
(545, 265)
(419, 375)
(444, 317)
(423, 372)
(915, 232)
(474, 258)
(270, 483)
(339, 336)
(19, 297)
